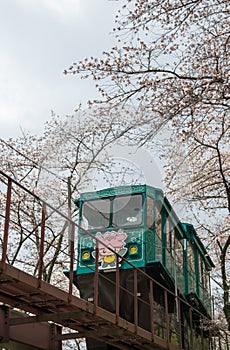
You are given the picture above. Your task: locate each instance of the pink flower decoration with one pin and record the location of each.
(111, 239)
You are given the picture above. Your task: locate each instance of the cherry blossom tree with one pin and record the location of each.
(198, 174)
(172, 62)
(56, 166)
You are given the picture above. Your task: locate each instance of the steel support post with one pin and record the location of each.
(4, 324)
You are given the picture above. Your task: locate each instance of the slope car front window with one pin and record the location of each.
(127, 211)
(96, 214)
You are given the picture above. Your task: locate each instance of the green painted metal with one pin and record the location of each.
(192, 273)
(151, 246)
(114, 191)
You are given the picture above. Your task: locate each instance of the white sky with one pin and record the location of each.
(38, 40)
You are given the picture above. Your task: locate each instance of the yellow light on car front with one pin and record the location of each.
(85, 255)
(133, 249)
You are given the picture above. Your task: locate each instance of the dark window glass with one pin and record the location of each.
(191, 259)
(158, 222)
(96, 214)
(201, 271)
(178, 253)
(127, 211)
(169, 232)
(150, 213)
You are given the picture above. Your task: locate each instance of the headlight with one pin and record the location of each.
(86, 255)
(133, 249)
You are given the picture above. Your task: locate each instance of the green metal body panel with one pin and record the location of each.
(87, 243)
(193, 274)
(151, 246)
(116, 191)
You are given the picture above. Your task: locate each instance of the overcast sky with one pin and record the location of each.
(38, 40)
